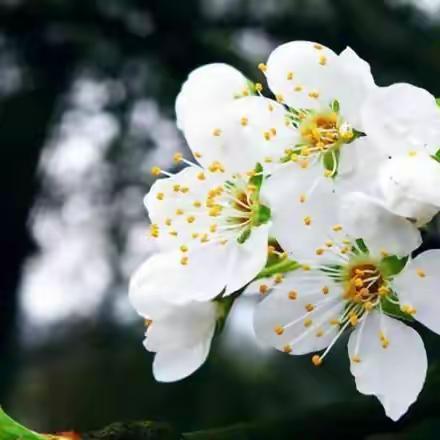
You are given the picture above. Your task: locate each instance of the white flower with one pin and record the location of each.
(215, 231)
(179, 335)
(403, 122)
(354, 283)
(325, 93)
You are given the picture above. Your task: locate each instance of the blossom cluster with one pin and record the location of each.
(313, 199)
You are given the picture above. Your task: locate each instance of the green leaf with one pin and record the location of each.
(392, 265)
(11, 430)
(282, 266)
(436, 156)
(361, 246)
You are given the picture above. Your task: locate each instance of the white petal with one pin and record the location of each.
(402, 118)
(354, 85)
(278, 309)
(359, 165)
(311, 68)
(171, 366)
(383, 232)
(202, 278)
(208, 87)
(183, 327)
(236, 134)
(395, 375)
(163, 202)
(301, 226)
(418, 285)
(248, 259)
(410, 186)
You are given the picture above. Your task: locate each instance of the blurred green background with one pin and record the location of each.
(87, 93)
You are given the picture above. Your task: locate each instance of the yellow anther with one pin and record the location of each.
(328, 173)
(337, 228)
(184, 248)
(190, 219)
(179, 211)
(308, 322)
(329, 243)
(314, 94)
(319, 333)
(262, 67)
(383, 291)
(287, 348)
(279, 98)
(177, 157)
(266, 135)
(302, 198)
(204, 238)
(176, 187)
(173, 233)
(216, 132)
(289, 76)
(368, 305)
(293, 294)
(303, 163)
(298, 88)
(278, 278)
(323, 60)
(384, 253)
(406, 308)
(273, 131)
(168, 222)
(358, 282)
(319, 251)
(325, 290)
(316, 360)
(270, 249)
(318, 46)
(258, 87)
(305, 267)
(264, 288)
(160, 196)
(216, 166)
(385, 342)
(309, 307)
(184, 189)
(334, 322)
(270, 107)
(268, 159)
(412, 153)
(307, 220)
(356, 359)
(421, 273)
(184, 261)
(201, 176)
(197, 154)
(195, 235)
(279, 330)
(215, 211)
(155, 171)
(244, 121)
(353, 320)
(245, 92)
(197, 204)
(294, 157)
(213, 228)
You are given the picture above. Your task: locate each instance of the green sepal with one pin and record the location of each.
(262, 215)
(11, 430)
(244, 235)
(282, 266)
(257, 178)
(392, 265)
(328, 159)
(394, 310)
(360, 247)
(436, 156)
(335, 106)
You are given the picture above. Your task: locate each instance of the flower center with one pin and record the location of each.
(365, 285)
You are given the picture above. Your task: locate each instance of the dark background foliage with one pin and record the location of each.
(87, 90)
